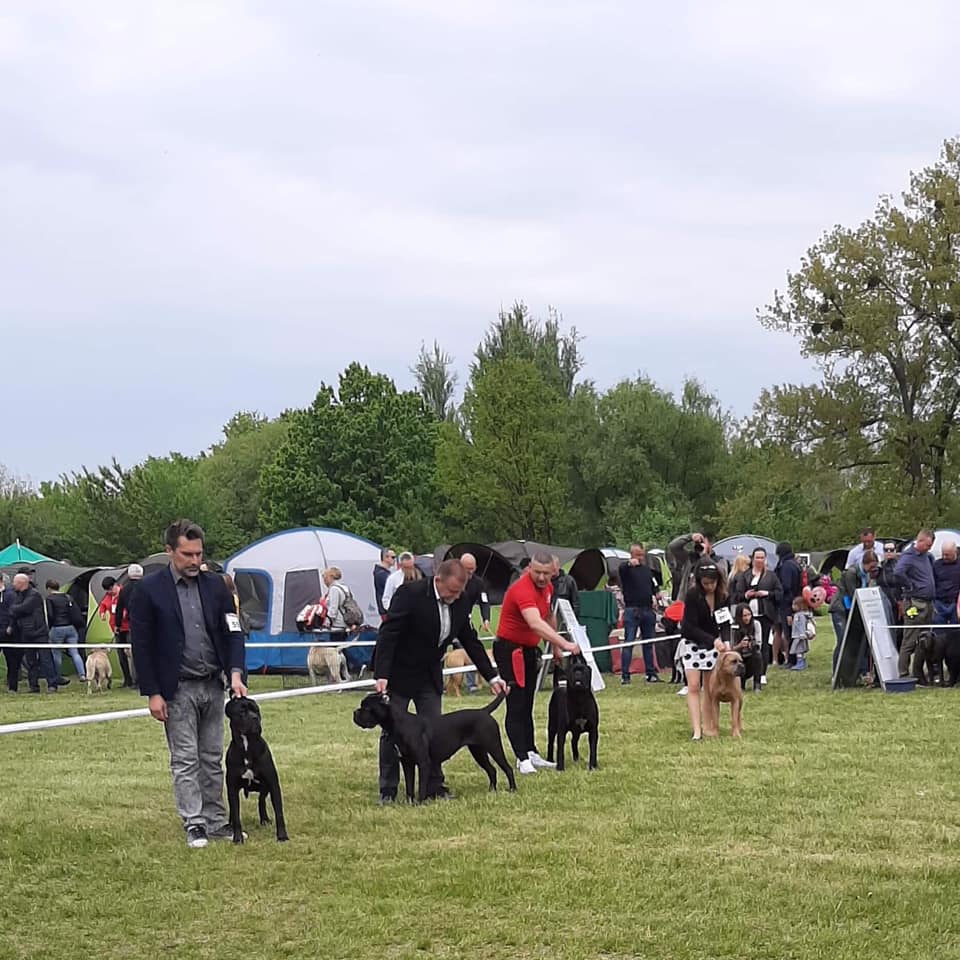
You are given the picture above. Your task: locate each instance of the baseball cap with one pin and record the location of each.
(134, 571)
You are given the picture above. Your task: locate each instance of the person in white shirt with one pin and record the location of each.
(405, 573)
(867, 542)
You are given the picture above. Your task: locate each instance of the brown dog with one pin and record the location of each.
(324, 660)
(458, 658)
(98, 670)
(722, 685)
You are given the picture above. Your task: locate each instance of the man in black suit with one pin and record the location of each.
(426, 616)
(187, 639)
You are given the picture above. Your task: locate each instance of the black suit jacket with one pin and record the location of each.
(156, 630)
(408, 653)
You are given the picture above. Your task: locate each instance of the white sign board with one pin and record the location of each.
(578, 634)
(867, 623)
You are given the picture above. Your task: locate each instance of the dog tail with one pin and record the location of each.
(495, 702)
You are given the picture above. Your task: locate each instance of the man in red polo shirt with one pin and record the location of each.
(525, 620)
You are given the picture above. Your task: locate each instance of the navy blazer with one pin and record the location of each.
(156, 630)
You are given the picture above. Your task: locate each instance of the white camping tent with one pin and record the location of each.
(277, 576)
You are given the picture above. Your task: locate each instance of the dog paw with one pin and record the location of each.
(238, 838)
(265, 822)
(282, 837)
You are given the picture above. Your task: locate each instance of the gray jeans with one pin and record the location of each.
(194, 730)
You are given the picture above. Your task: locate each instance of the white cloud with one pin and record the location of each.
(277, 189)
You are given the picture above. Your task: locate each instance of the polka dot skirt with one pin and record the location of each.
(692, 657)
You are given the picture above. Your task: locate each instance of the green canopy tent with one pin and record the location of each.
(16, 554)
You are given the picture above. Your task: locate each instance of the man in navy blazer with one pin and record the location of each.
(187, 642)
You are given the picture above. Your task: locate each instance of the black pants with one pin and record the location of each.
(123, 656)
(427, 702)
(40, 663)
(519, 722)
(14, 660)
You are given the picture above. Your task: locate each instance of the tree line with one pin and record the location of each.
(534, 450)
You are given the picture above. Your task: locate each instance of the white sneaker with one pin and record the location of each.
(525, 766)
(539, 763)
(763, 681)
(682, 692)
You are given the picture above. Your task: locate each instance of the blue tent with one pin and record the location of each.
(276, 577)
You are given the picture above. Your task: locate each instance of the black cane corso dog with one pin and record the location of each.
(250, 767)
(573, 709)
(420, 746)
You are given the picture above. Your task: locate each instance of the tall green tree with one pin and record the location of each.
(436, 381)
(518, 335)
(362, 458)
(230, 476)
(876, 306)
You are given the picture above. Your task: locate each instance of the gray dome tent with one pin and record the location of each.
(745, 543)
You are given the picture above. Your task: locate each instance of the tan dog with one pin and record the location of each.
(722, 685)
(324, 660)
(458, 658)
(98, 670)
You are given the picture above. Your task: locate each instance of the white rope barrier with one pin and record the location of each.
(31, 726)
(295, 644)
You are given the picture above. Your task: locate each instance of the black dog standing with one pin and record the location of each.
(573, 709)
(423, 747)
(250, 767)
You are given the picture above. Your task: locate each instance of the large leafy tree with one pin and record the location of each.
(876, 306)
(230, 474)
(360, 458)
(647, 465)
(504, 471)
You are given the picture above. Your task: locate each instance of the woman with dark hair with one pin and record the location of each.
(761, 589)
(705, 619)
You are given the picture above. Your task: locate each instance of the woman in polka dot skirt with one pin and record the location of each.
(705, 617)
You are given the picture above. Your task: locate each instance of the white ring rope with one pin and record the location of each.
(30, 726)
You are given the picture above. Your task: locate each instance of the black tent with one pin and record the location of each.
(497, 571)
(519, 552)
(592, 566)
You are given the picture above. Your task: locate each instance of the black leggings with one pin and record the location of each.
(519, 722)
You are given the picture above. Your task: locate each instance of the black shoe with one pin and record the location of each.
(63, 681)
(625, 681)
(653, 678)
(386, 799)
(444, 793)
(196, 838)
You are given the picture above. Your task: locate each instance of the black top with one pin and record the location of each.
(61, 611)
(768, 606)
(698, 625)
(380, 576)
(125, 602)
(409, 654)
(565, 588)
(639, 584)
(476, 592)
(26, 616)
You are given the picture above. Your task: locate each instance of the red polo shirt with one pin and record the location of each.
(522, 595)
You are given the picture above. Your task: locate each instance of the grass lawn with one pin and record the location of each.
(829, 831)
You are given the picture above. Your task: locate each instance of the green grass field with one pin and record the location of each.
(831, 830)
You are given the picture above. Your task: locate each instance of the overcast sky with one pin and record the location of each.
(208, 207)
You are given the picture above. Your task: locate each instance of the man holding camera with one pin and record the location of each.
(686, 561)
